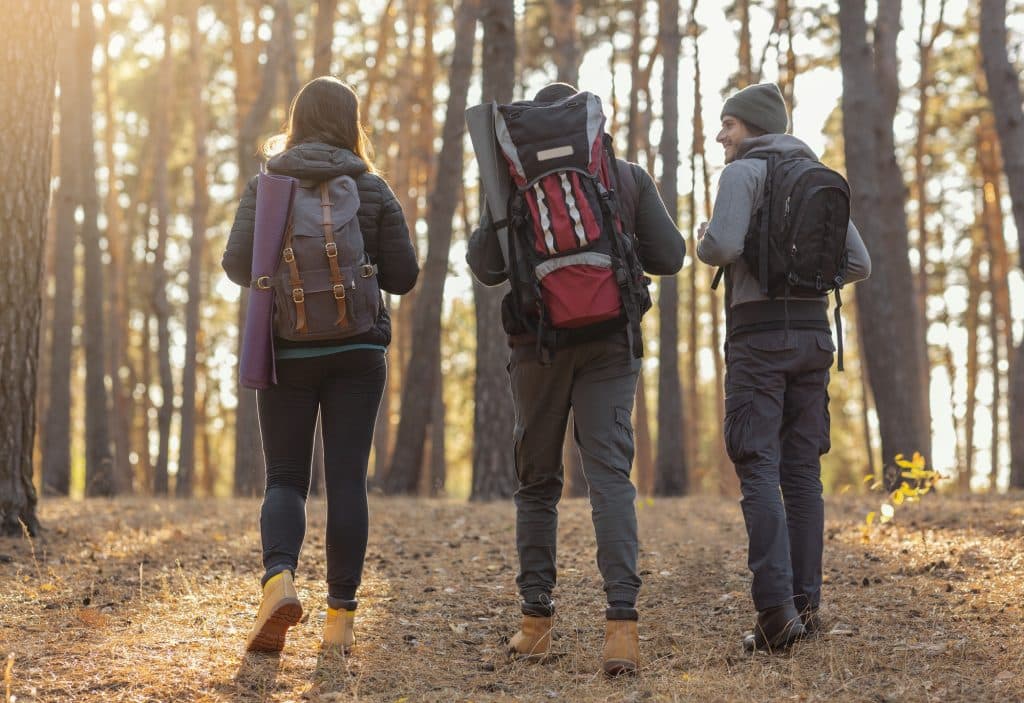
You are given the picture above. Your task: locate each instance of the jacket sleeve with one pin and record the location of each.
(662, 248)
(237, 259)
(396, 258)
(858, 261)
(722, 243)
(483, 253)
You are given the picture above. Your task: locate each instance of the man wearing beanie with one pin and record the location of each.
(596, 377)
(778, 355)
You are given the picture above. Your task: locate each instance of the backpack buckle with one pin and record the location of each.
(367, 270)
(298, 295)
(339, 291)
(332, 250)
(262, 283)
(289, 255)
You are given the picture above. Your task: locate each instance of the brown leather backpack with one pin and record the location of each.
(325, 286)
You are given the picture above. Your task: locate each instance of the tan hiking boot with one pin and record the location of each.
(621, 647)
(279, 610)
(533, 641)
(339, 629)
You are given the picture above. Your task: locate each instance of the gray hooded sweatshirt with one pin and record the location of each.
(740, 190)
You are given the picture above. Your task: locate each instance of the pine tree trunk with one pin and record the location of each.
(323, 37)
(671, 472)
(56, 428)
(885, 302)
(493, 413)
(161, 305)
(563, 26)
(119, 250)
(28, 42)
(1005, 95)
(254, 99)
(972, 323)
(420, 377)
(187, 463)
(99, 462)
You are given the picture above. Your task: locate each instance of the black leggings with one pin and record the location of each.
(346, 387)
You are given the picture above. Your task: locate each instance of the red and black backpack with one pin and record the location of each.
(573, 263)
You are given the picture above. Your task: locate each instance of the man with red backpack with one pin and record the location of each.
(582, 229)
(781, 230)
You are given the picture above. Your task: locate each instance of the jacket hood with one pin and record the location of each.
(317, 162)
(779, 143)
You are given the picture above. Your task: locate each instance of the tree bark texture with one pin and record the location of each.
(200, 204)
(323, 37)
(28, 51)
(420, 378)
(56, 428)
(563, 24)
(99, 461)
(493, 414)
(1005, 95)
(886, 301)
(160, 304)
(671, 467)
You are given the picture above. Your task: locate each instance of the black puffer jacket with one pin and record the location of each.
(385, 231)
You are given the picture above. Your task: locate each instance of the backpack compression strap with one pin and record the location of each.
(331, 248)
(295, 280)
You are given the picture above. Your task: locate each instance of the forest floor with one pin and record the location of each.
(145, 600)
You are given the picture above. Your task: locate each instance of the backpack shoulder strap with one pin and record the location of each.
(629, 195)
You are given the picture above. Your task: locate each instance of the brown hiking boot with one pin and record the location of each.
(533, 641)
(339, 630)
(279, 610)
(621, 642)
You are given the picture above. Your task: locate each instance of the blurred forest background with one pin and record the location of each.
(159, 109)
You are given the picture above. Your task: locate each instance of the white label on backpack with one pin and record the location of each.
(556, 153)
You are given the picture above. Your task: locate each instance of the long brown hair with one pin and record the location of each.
(325, 110)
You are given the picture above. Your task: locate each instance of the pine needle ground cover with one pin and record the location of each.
(141, 600)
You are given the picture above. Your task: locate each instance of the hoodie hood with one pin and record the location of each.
(317, 162)
(785, 144)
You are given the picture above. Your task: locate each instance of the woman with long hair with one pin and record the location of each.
(340, 373)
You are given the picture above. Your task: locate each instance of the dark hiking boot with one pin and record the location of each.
(811, 619)
(775, 630)
(621, 642)
(279, 610)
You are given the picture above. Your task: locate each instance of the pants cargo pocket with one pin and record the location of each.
(737, 423)
(826, 430)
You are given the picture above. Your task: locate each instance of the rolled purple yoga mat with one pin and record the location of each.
(273, 203)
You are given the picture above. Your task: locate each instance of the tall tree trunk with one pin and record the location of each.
(493, 414)
(323, 37)
(417, 396)
(973, 321)
(289, 52)
(161, 305)
(563, 24)
(254, 99)
(119, 250)
(671, 472)
(186, 463)
(56, 428)
(99, 462)
(28, 43)
(1005, 95)
(438, 474)
(886, 302)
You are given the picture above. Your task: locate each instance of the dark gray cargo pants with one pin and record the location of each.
(598, 381)
(776, 429)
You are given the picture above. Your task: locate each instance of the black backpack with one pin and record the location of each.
(796, 244)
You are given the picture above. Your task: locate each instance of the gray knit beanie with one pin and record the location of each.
(760, 106)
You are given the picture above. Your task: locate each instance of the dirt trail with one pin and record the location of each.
(139, 600)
